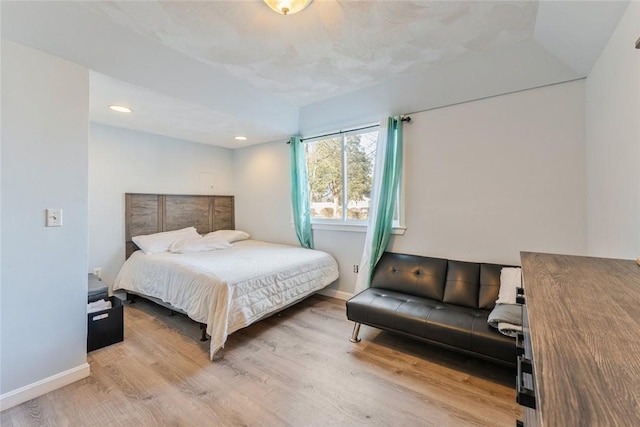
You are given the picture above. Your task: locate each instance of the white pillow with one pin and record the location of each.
(201, 244)
(160, 242)
(230, 235)
(510, 279)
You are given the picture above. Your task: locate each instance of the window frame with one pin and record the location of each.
(344, 223)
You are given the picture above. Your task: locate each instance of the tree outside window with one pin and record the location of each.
(337, 163)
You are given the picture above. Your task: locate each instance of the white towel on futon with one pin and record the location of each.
(510, 279)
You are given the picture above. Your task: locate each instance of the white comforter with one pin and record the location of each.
(229, 289)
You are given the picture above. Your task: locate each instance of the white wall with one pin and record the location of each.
(45, 104)
(490, 178)
(261, 182)
(613, 144)
(125, 161)
(484, 180)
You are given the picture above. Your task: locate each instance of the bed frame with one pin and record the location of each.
(154, 213)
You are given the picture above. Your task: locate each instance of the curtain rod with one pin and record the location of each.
(340, 132)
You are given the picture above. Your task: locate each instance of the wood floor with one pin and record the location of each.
(297, 368)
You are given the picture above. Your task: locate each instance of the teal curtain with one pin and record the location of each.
(300, 193)
(386, 181)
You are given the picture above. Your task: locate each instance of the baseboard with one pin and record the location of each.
(335, 294)
(31, 391)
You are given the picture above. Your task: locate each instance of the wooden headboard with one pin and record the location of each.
(153, 213)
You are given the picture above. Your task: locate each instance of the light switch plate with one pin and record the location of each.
(54, 217)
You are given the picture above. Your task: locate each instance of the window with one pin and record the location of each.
(340, 171)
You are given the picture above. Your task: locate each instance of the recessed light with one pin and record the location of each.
(120, 108)
(241, 138)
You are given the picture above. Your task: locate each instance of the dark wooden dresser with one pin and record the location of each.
(582, 335)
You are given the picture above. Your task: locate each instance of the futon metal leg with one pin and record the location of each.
(203, 329)
(130, 297)
(356, 331)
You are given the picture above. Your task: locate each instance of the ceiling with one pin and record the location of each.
(207, 71)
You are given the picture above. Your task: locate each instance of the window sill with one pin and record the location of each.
(352, 228)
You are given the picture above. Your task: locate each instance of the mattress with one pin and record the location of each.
(229, 289)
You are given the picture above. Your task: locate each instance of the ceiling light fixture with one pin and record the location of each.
(241, 138)
(287, 7)
(120, 108)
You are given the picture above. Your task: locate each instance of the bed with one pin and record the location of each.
(226, 289)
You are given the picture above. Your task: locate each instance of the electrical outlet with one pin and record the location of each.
(356, 268)
(54, 217)
(98, 272)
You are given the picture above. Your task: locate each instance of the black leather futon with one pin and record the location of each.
(436, 300)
